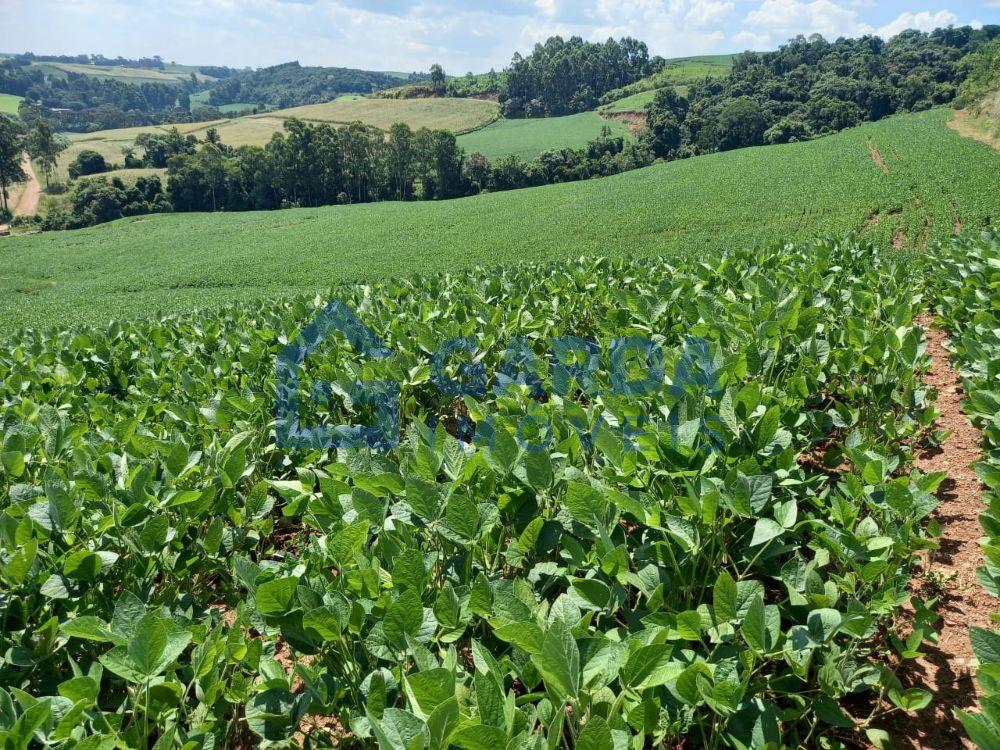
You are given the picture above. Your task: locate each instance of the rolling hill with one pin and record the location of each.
(679, 72)
(529, 137)
(458, 115)
(169, 73)
(933, 182)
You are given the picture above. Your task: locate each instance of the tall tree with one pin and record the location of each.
(44, 146)
(437, 79)
(11, 173)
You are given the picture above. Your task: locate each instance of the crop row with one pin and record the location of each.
(731, 573)
(966, 290)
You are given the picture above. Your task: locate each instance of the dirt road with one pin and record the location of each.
(25, 202)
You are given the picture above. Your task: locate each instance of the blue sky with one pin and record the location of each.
(460, 34)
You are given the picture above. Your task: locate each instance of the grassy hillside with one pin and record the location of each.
(936, 180)
(634, 103)
(678, 72)
(459, 115)
(528, 138)
(109, 143)
(169, 74)
(9, 103)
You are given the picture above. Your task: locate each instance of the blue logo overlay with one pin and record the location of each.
(574, 362)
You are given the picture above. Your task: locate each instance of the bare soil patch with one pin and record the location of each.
(960, 124)
(956, 220)
(900, 238)
(872, 221)
(635, 120)
(877, 156)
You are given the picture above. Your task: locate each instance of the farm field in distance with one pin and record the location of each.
(829, 186)
(679, 73)
(633, 103)
(9, 103)
(169, 73)
(458, 115)
(529, 137)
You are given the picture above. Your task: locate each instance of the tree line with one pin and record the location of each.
(81, 103)
(318, 165)
(152, 63)
(562, 77)
(291, 84)
(982, 81)
(811, 87)
(559, 77)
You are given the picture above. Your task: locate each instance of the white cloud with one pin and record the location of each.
(922, 21)
(782, 19)
(749, 40)
(547, 7)
(672, 29)
(460, 34)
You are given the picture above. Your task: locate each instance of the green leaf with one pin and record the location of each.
(91, 629)
(596, 735)
(592, 591)
(479, 737)
(441, 722)
(62, 510)
(129, 611)
(148, 644)
(986, 645)
(276, 598)
(404, 617)
(980, 730)
(527, 636)
(325, 621)
(823, 623)
(78, 689)
(399, 730)
(724, 598)
(423, 497)
(686, 686)
(346, 542)
(559, 661)
(462, 518)
(428, 690)
(764, 531)
(538, 469)
(689, 625)
(117, 660)
(269, 714)
(19, 567)
(585, 504)
(753, 628)
(82, 565)
(828, 711)
(651, 666)
(911, 699)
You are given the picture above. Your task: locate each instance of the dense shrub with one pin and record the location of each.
(811, 87)
(86, 163)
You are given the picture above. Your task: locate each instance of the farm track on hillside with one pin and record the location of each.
(30, 194)
(945, 668)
